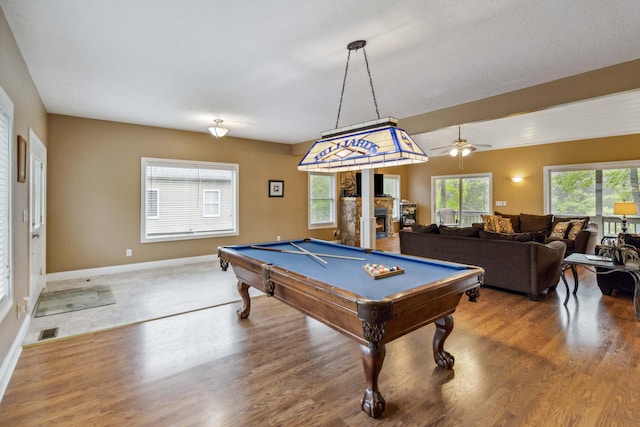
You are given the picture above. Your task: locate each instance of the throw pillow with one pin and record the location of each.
(560, 230)
(560, 218)
(489, 223)
(535, 223)
(503, 225)
(575, 228)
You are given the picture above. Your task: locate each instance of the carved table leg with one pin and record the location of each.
(444, 326)
(372, 359)
(243, 290)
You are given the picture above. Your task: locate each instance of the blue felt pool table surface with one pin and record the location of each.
(348, 274)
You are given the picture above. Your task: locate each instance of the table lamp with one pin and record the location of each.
(624, 209)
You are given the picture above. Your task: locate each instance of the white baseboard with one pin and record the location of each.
(11, 360)
(90, 272)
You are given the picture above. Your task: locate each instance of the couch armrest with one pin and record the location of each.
(586, 239)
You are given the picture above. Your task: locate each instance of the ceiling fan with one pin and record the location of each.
(460, 148)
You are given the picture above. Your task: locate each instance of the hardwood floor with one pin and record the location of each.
(518, 363)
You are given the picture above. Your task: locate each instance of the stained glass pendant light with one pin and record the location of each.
(368, 145)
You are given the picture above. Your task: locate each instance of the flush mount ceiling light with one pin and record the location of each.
(368, 145)
(217, 129)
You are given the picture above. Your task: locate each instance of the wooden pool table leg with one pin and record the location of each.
(372, 358)
(444, 326)
(243, 290)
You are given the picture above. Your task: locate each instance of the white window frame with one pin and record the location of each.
(234, 229)
(333, 222)
(6, 289)
(215, 203)
(396, 197)
(625, 164)
(434, 179)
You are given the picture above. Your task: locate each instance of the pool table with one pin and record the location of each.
(331, 286)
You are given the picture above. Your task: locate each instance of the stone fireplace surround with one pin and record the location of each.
(351, 210)
(350, 213)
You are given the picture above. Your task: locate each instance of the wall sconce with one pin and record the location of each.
(516, 179)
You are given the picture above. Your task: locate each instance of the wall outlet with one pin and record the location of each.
(129, 252)
(278, 238)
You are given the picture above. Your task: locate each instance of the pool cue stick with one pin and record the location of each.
(314, 256)
(302, 253)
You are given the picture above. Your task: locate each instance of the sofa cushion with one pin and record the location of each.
(459, 231)
(514, 237)
(515, 220)
(560, 230)
(419, 228)
(534, 223)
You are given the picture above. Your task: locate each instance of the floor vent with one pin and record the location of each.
(46, 334)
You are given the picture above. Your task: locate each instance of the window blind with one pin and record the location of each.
(5, 198)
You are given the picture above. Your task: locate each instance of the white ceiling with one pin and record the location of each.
(273, 69)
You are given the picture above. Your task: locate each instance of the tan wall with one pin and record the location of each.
(94, 191)
(526, 196)
(29, 113)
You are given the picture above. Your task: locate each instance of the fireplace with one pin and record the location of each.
(351, 211)
(381, 222)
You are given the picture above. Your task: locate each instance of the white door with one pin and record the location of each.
(37, 216)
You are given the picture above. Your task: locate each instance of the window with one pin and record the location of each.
(322, 200)
(392, 188)
(591, 190)
(211, 203)
(6, 123)
(469, 196)
(199, 200)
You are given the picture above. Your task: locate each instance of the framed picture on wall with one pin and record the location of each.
(276, 188)
(22, 159)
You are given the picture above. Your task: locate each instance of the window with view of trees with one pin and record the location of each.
(592, 190)
(468, 195)
(188, 199)
(322, 200)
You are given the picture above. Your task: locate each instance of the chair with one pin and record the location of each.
(447, 216)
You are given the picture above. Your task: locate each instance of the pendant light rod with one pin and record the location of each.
(355, 45)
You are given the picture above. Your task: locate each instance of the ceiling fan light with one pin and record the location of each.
(453, 152)
(465, 151)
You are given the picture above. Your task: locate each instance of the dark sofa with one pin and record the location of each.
(527, 259)
(526, 267)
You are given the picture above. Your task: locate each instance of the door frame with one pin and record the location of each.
(36, 146)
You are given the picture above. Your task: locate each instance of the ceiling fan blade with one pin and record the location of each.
(442, 148)
(483, 145)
